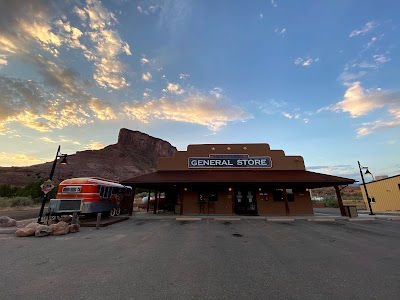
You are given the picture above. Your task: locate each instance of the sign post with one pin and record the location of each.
(47, 186)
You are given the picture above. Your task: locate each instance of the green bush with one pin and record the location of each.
(6, 202)
(331, 202)
(21, 201)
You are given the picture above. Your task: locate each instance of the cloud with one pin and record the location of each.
(47, 140)
(30, 104)
(12, 159)
(195, 108)
(29, 25)
(291, 116)
(280, 32)
(94, 145)
(306, 62)
(173, 14)
(347, 76)
(366, 28)
(360, 102)
(273, 3)
(184, 76)
(146, 76)
(339, 170)
(174, 88)
(151, 9)
(261, 16)
(103, 111)
(144, 60)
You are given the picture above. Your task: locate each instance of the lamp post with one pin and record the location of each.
(365, 187)
(63, 162)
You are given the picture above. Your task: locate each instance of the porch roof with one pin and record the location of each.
(286, 178)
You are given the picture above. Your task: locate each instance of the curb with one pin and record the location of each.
(281, 220)
(322, 220)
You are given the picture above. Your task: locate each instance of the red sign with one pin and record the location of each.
(47, 186)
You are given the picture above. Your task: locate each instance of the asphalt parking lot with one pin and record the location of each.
(207, 259)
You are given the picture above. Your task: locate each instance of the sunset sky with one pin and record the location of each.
(320, 79)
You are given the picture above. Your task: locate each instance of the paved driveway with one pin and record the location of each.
(169, 259)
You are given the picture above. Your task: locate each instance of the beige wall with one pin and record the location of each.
(386, 193)
(179, 161)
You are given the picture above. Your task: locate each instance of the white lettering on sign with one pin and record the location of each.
(230, 161)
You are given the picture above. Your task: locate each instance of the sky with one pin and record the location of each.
(318, 79)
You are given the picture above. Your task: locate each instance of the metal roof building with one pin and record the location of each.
(384, 194)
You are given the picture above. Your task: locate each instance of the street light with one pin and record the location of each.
(63, 162)
(365, 187)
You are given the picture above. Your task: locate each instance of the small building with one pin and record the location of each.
(243, 179)
(384, 193)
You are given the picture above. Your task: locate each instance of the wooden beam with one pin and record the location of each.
(339, 198)
(131, 201)
(148, 202)
(285, 199)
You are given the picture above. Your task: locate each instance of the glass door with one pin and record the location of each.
(245, 202)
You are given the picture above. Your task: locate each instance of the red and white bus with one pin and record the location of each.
(88, 195)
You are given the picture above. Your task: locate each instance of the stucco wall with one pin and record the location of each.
(179, 162)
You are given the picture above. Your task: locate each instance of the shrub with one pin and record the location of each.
(331, 202)
(21, 201)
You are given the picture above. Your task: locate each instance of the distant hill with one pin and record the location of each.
(134, 154)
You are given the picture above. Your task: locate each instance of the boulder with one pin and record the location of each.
(60, 228)
(7, 222)
(74, 228)
(32, 225)
(43, 230)
(25, 232)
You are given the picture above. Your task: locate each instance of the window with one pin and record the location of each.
(372, 199)
(208, 195)
(71, 189)
(105, 191)
(278, 195)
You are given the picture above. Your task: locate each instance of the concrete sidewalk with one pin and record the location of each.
(271, 218)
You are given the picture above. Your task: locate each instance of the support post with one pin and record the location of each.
(131, 202)
(74, 217)
(98, 221)
(148, 201)
(155, 201)
(366, 191)
(44, 199)
(339, 198)
(285, 199)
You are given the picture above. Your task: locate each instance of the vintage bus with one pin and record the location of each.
(88, 195)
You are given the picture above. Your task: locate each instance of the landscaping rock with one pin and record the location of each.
(32, 225)
(7, 222)
(22, 232)
(74, 228)
(60, 228)
(43, 230)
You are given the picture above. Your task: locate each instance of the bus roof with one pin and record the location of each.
(94, 180)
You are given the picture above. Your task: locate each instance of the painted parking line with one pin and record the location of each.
(280, 220)
(227, 219)
(322, 220)
(188, 219)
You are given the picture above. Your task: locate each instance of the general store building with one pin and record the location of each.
(242, 179)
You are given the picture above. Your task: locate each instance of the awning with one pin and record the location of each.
(281, 178)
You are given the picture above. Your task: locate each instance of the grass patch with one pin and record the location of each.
(7, 202)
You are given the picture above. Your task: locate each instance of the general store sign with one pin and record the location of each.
(229, 161)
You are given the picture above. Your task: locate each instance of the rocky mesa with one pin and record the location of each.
(134, 154)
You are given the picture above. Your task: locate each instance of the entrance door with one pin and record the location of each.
(245, 202)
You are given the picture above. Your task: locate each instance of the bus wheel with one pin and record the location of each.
(112, 212)
(117, 211)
